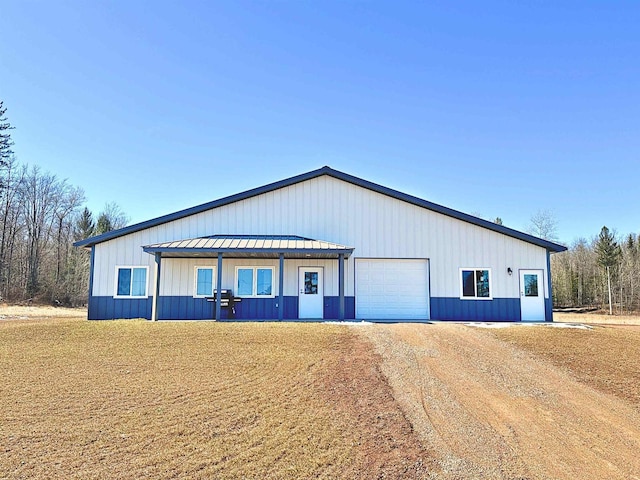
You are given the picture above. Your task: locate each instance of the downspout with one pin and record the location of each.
(341, 286)
(281, 288)
(92, 261)
(219, 289)
(549, 311)
(156, 290)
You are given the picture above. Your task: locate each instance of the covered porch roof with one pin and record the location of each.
(249, 246)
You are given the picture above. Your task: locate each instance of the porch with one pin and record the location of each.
(255, 269)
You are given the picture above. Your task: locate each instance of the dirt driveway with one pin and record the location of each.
(491, 410)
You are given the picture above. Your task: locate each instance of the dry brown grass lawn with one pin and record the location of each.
(596, 318)
(38, 312)
(605, 358)
(134, 399)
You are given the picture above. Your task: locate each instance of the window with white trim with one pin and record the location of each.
(254, 282)
(475, 284)
(204, 282)
(131, 282)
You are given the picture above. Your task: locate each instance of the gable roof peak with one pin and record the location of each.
(325, 170)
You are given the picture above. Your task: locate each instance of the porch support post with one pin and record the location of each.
(90, 297)
(281, 288)
(341, 286)
(156, 289)
(548, 304)
(219, 288)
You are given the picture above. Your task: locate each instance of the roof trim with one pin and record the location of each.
(294, 244)
(550, 246)
(326, 251)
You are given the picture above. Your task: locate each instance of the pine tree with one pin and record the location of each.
(111, 218)
(607, 249)
(104, 224)
(608, 253)
(5, 138)
(631, 244)
(85, 226)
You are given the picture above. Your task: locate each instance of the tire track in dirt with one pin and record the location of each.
(490, 410)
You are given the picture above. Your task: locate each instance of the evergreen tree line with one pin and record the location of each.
(41, 216)
(592, 270)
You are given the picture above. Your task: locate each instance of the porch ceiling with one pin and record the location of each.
(249, 246)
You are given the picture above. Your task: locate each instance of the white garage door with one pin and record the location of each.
(392, 289)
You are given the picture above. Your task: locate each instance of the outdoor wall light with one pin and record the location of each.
(509, 271)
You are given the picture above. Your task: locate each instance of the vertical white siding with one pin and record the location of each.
(325, 208)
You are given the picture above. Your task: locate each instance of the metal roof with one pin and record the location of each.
(253, 246)
(550, 246)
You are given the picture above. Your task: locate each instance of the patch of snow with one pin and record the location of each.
(580, 326)
(362, 323)
(491, 325)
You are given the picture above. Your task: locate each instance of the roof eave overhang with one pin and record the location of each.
(249, 252)
(557, 248)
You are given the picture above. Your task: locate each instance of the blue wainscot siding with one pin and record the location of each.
(496, 310)
(266, 308)
(185, 308)
(260, 308)
(189, 308)
(332, 307)
(108, 308)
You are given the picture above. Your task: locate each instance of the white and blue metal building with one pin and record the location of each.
(323, 244)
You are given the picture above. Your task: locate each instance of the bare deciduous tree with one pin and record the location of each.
(42, 194)
(111, 218)
(10, 213)
(543, 224)
(41, 216)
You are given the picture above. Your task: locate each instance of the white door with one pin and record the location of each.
(310, 292)
(532, 295)
(392, 289)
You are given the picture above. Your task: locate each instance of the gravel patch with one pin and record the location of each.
(489, 410)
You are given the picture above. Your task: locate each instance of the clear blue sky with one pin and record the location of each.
(496, 108)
